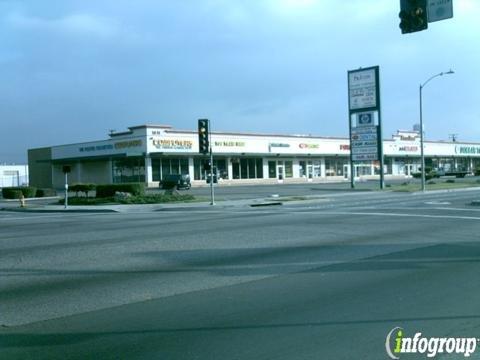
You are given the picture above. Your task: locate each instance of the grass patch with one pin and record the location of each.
(139, 199)
(157, 199)
(87, 201)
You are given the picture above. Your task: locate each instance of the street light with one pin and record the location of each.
(421, 123)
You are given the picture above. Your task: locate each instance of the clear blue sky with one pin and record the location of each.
(71, 70)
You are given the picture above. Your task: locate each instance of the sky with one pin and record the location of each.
(73, 70)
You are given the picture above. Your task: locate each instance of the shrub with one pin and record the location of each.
(431, 183)
(11, 193)
(15, 192)
(476, 172)
(450, 181)
(84, 188)
(417, 175)
(157, 198)
(45, 193)
(109, 190)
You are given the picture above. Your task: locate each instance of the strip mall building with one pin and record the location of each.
(147, 153)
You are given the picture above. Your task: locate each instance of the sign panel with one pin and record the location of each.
(362, 89)
(364, 137)
(364, 157)
(365, 119)
(439, 10)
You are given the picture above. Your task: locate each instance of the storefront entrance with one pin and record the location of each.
(346, 171)
(408, 169)
(280, 170)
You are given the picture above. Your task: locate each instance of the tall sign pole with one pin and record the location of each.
(364, 118)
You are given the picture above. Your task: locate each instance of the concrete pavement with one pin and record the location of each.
(292, 282)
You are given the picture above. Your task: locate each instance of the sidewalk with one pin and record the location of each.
(33, 207)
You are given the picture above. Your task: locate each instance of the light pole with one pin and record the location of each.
(422, 155)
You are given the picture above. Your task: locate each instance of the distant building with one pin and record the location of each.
(13, 175)
(147, 153)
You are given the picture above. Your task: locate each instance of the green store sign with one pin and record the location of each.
(467, 150)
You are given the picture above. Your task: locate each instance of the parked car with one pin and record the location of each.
(176, 181)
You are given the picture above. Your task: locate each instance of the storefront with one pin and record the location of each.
(150, 152)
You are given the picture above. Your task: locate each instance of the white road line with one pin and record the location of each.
(455, 209)
(391, 215)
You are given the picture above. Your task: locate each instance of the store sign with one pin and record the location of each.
(229, 143)
(467, 150)
(408, 138)
(279, 145)
(173, 144)
(95, 148)
(344, 147)
(308, 146)
(127, 144)
(408, 148)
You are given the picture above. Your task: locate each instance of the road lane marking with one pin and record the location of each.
(394, 215)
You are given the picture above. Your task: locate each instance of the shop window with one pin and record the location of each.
(221, 168)
(129, 170)
(251, 168)
(236, 170)
(197, 169)
(288, 169)
(272, 170)
(317, 169)
(335, 166)
(259, 163)
(244, 168)
(165, 167)
(156, 170)
(303, 168)
(184, 166)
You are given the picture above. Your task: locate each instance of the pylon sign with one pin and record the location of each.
(365, 117)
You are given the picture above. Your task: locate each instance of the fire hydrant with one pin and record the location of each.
(22, 201)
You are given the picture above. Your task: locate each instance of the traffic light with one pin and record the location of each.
(413, 15)
(203, 136)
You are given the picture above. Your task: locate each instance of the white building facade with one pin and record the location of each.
(13, 175)
(147, 153)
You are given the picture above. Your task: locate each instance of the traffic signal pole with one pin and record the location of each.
(205, 147)
(212, 193)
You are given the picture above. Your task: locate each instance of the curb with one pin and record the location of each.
(32, 199)
(186, 208)
(427, 192)
(59, 210)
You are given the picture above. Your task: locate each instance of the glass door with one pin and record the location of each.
(346, 171)
(280, 170)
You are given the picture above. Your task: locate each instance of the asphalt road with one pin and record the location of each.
(323, 280)
(236, 192)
